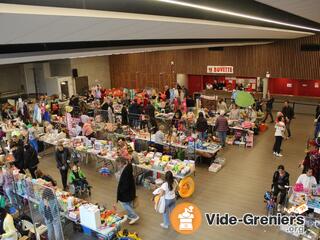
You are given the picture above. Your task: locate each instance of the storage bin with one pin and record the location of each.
(263, 127)
(86, 231)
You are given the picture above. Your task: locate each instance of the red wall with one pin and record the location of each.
(298, 87)
(195, 83)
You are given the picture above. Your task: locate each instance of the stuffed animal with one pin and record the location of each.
(125, 235)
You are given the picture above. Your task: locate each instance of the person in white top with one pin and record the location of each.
(168, 190)
(279, 135)
(234, 113)
(252, 114)
(159, 138)
(307, 180)
(222, 106)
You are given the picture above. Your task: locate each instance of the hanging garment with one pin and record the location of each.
(69, 121)
(35, 112)
(171, 94)
(46, 116)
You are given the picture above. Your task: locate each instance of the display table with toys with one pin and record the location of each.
(93, 218)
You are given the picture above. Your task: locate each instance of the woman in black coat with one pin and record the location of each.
(126, 192)
(31, 160)
(17, 152)
(62, 159)
(124, 115)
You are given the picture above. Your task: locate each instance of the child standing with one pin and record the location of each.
(279, 135)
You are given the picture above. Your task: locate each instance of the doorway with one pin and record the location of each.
(64, 89)
(82, 86)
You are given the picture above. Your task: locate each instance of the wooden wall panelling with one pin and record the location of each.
(283, 59)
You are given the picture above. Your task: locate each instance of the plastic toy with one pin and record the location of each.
(186, 187)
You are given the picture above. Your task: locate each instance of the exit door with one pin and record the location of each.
(82, 85)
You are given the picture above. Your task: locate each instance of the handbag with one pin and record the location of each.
(135, 202)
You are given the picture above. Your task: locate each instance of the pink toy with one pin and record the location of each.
(184, 106)
(190, 139)
(298, 187)
(176, 104)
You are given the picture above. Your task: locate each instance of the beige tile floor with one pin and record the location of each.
(238, 188)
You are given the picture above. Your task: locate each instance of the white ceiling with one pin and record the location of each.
(309, 9)
(37, 24)
(40, 56)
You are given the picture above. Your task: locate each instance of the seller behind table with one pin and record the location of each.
(87, 129)
(307, 180)
(222, 106)
(159, 138)
(234, 112)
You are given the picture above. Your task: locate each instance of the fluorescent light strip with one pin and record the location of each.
(211, 9)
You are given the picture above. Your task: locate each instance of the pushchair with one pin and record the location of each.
(78, 182)
(271, 200)
(80, 187)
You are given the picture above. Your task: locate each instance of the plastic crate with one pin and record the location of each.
(86, 231)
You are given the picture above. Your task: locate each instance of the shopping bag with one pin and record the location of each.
(159, 204)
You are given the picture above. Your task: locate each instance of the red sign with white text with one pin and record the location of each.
(219, 69)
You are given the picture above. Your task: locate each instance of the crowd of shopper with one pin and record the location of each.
(141, 113)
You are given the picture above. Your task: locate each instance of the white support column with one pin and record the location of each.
(265, 82)
(182, 79)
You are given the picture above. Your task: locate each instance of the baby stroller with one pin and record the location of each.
(80, 187)
(271, 204)
(78, 182)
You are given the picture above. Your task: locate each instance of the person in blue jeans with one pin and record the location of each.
(202, 126)
(126, 192)
(168, 190)
(49, 209)
(32, 136)
(8, 183)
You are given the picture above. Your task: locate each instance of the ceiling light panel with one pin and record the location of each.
(235, 14)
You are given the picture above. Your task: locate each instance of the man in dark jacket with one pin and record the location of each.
(133, 113)
(31, 160)
(18, 150)
(62, 159)
(288, 114)
(150, 110)
(279, 182)
(124, 115)
(269, 107)
(167, 92)
(126, 192)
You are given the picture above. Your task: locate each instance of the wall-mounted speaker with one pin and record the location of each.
(74, 72)
(310, 47)
(215, 48)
